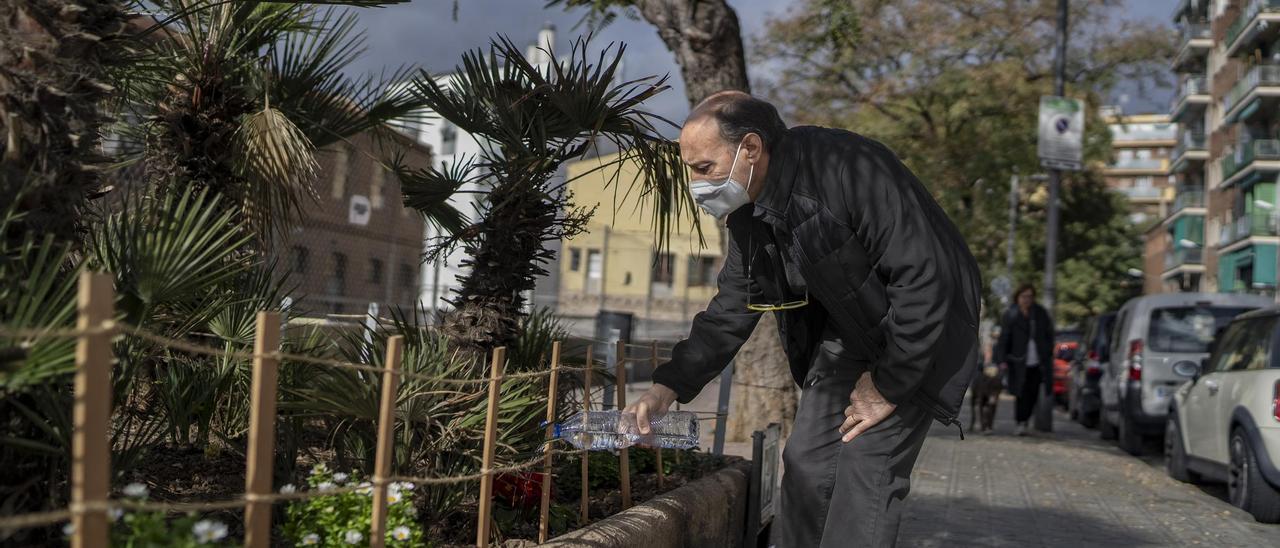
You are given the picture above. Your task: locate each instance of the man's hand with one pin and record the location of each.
(866, 409)
(656, 401)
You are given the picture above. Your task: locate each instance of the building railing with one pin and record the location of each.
(1141, 163)
(1193, 31)
(1240, 156)
(1188, 198)
(1148, 192)
(1251, 10)
(1258, 223)
(1193, 85)
(1189, 141)
(1182, 256)
(1258, 75)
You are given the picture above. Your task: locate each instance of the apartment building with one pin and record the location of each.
(1221, 233)
(1142, 145)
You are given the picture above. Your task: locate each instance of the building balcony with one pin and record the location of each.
(1188, 199)
(1139, 166)
(1193, 98)
(1142, 194)
(1250, 225)
(1261, 82)
(1195, 39)
(1191, 148)
(1243, 160)
(1255, 24)
(1183, 256)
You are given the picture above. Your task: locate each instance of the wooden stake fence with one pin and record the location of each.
(552, 389)
(90, 446)
(624, 458)
(490, 441)
(262, 431)
(586, 408)
(386, 434)
(653, 364)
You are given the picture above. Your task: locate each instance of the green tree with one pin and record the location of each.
(953, 86)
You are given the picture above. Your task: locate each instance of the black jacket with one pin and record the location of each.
(887, 272)
(1011, 348)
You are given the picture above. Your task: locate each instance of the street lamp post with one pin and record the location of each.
(1055, 175)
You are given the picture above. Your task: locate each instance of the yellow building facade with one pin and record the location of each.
(616, 264)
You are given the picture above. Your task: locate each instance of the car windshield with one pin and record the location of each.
(1188, 329)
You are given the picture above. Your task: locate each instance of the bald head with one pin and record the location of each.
(731, 130)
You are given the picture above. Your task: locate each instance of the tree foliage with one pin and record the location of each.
(953, 86)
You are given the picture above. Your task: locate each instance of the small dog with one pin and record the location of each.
(986, 394)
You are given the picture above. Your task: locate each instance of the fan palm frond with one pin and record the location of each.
(280, 163)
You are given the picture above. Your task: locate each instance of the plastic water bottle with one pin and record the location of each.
(613, 429)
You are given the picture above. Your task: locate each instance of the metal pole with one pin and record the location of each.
(1055, 175)
(722, 409)
(1013, 230)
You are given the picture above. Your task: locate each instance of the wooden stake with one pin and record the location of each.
(544, 525)
(490, 442)
(262, 431)
(586, 409)
(90, 448)
(653, 363)
(386, 433)
(624, 458)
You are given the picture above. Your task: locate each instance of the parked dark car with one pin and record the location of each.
(1083, 402)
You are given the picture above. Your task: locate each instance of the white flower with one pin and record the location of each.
(288, 489)
(136, 490)
(116, 513)
(408, 485)
(319, 469)
(353, 537)
(326, 486)
(207, 531)
(393, 497)
(401, 533)
(340, 477)
(412, 511)
(365, 488)
(311, 539)
(69, 529)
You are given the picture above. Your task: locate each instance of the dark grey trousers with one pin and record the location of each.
(837, 494)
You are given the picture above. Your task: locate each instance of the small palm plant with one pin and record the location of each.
(530, 120)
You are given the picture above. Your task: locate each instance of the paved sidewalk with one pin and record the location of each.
(1067, 488)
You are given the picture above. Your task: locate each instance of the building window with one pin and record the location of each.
(448, 138)
(575, 259)
(376, 201)
(1142, 182)
(664, 271)
(299, 259)
(375, 271)
(702, 271)
(338, 284)
(406, 276)
(339, 173)
(595, 271)
(626, 279)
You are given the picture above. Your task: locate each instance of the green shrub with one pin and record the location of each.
(344, 519)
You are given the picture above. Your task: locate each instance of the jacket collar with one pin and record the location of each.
(775, 200)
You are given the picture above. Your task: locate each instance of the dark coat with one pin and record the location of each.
(888, 274)
(1011, 348)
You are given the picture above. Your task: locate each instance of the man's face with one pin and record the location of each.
(706, 154)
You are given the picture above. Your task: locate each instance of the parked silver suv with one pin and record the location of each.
(1151, 334)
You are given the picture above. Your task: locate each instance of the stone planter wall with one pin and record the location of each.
(709, 512)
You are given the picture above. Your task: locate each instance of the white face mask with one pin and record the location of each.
(722, 198)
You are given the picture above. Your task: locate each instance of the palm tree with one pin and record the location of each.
(52, 78)
(236, 97)
(529, 121)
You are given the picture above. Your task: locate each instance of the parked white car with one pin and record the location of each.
(1225, 423)
(1152, 333)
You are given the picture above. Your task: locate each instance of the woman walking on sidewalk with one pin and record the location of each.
(1025, 351)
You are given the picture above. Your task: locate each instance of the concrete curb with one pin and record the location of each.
(710, 511)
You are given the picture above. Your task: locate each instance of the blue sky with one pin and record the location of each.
(423, 33)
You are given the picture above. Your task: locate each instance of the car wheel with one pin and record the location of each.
(1128, 436)
(1246, 488)
(1089, 420)
(1175, 453)
(1106, 430)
